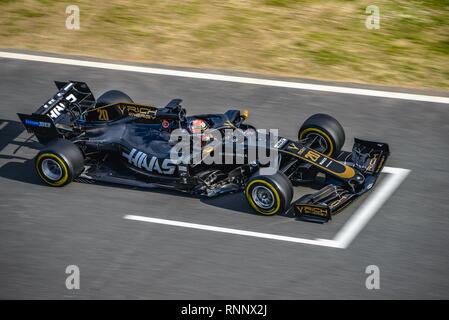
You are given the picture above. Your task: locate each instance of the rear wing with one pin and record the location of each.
(73, 98)
(65, 107)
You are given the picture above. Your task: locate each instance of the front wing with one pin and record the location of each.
(366, 161)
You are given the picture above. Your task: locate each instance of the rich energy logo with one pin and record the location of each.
(141, 160)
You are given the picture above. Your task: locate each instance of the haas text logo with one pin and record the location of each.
(141, 160)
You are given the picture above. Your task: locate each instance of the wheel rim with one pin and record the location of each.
(263, 197)
(318, 142)
(51, 169)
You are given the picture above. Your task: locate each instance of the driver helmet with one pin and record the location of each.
(198, 126)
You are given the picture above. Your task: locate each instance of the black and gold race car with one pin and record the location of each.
(114, 140)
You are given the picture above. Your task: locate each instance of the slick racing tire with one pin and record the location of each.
(59, 163)
(111, 97)
(269, 194)
(327, 134)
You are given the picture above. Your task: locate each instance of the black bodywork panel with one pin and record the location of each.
(129, 143)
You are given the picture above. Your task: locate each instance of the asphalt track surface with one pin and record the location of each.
(43, 230)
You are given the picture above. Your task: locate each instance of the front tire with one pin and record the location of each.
(59, 163)
(269, 195)
(325, 133)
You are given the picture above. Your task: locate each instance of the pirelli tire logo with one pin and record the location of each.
(152, 164)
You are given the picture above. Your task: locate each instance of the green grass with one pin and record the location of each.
(29, 13)
(320, 39)
(282, 3)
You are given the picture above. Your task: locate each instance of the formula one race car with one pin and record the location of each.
(114, 140)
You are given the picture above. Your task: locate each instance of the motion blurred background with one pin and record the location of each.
(43, 230)
(321, 39)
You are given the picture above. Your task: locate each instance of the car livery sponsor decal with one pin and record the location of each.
(328, 164)
(57, 109)
(152, 164)
(280, 143)
(147, 112)
(313, 210)
(37, 123)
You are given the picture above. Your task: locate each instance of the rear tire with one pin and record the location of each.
(327, 130)
(269, 195)
(59, 163)
(111, 97)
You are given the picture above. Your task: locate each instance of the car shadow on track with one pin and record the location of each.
(234, 202)
(18, 167)
(21, 169)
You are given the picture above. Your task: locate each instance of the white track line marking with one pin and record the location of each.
(221, 229)
(344, 236)
(371, 205)
(219, 77)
